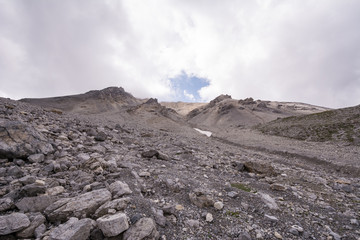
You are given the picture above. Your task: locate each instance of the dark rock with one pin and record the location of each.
(260, 168)
(6, 204)
(117, 204)
(200, 198)
(134, 218)
(32, 190)
(100, 136)
(15, 172)
(96, 234)
(150, 154)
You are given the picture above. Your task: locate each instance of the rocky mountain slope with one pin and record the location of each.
(136, 173)
(224, 112)
(339, 125)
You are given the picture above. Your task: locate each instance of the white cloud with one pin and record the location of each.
(278, 50)
(189, 96)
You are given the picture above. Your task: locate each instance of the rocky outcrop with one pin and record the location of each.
(20, 140)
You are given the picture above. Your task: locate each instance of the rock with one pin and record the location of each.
(27, 180)
(73, 229)
(113, 225)
(145, 228)
(150, 154)
(260, 168)
(233, 194)
(100, 136)
(35, 221)
(194, 224)
(271, 218)
(296, 230)
(178, 207)
(352, 221)
(19, 140)
(15, 172)
(269, 201)
(13, 223)
(117, 204)
(144, 174)
(55, 190)
(277, 235)
(277, 187)
(6, 204)
(32, 190)
(199, 198)
(159, 216)
(34, 204)
(36, 158)
(118, 189)
(244, 236)
(209, 217)
(39, 231)
(218, 205)
(80, 206)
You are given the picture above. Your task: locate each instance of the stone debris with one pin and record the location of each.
(139, 175)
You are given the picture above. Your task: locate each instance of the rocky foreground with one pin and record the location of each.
(66, 176)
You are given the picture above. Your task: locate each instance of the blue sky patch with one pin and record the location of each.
(186, 87)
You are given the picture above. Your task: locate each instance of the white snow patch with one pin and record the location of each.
(207, 133)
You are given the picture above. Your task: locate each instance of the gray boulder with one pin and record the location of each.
(119, 189)
(145, 228)
(34, 204)
(13, 223)
(20, 140)
(35, 221)
(74, 229)
(80, 206)
(113, 225)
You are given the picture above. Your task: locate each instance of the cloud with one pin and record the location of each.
(189, 96)
(303, 51)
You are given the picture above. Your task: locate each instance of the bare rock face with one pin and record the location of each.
(81, 206)
(13, 223)
(113, 225)
(145, 228)
(19, 140)
(74, 229)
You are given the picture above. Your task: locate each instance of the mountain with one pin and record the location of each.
(106, 165)
(224, 112)
(96, 101)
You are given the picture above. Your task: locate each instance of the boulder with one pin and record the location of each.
(13, 223)
(119, 189)
(80, 206)
(117, 204)
(145, 228)
(200, 198)
(34, 204)
(113, 225)
(20, 140)
(73, 229)
(259, 168)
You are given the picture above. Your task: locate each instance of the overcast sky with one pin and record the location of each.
(289, 50)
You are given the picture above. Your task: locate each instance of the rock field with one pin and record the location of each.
(72, 176)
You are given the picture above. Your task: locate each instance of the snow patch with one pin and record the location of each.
(207, 133)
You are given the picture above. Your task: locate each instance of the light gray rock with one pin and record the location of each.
(73, 229)
(117, 204)
(194, 224)
(113, 225)
(6, 204)
(119, 189)
(27, 180)
(35, 220)
(13, 223)
(271, 218)
(81, 206)
(269, 201)
(55, 190)
(145, 228)
(36, 158)
(39, 231)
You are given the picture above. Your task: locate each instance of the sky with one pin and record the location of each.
(183, 50)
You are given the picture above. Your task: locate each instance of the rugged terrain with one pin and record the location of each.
(126, 168)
